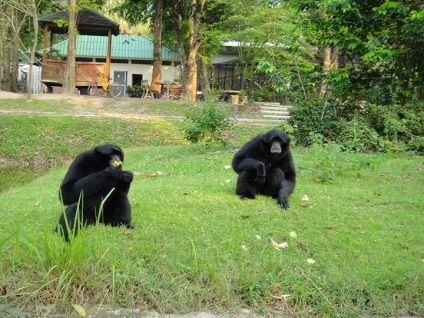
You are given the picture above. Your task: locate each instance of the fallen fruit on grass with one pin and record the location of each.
(79, 310)
(310, 261)
(277, 246)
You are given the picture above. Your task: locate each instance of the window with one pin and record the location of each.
(136, 79)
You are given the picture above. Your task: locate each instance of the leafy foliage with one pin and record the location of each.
(208, 123)
(135, 91)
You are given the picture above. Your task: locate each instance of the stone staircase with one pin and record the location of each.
(274, 111)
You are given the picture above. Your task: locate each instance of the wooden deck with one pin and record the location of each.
(86, 72)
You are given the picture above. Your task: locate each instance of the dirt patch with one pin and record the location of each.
(84, 102)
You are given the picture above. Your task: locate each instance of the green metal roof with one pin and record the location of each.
(123, 46)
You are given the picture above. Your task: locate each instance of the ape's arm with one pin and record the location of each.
(250, 164)
(93, 184)
(289, 182)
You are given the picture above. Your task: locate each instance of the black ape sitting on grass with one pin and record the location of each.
(265, 166)
(90, 178)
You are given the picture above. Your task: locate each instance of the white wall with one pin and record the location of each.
(169, 72)
(224, 57)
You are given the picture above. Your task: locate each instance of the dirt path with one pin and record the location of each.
(93, 106)
(98, 103)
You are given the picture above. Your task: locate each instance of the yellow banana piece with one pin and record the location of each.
(117, 163)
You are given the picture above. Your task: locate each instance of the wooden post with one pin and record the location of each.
(46, 32)
(109, 52)
(51, 45)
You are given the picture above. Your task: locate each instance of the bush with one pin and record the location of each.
(134, 91)
(401, 124)
(357, 136)
(208, 123)
(361, 127)
(313, 117)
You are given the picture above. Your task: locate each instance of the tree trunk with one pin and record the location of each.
(6, 83)
(157, 48)
(325, 71)
(330, 61)
(203, 76)
(7, 79)
(188, 61)
(34, 47)
(15, 54)
(69, 78)
(190, 79)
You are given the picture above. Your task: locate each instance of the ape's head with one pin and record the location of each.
(110, 155)
(277, 142)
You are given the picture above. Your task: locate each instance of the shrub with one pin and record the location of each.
(313, 117)
(207, 123)
(400, 123)
(134, 91)
(361, 127)
(325, 159)
(357, 136)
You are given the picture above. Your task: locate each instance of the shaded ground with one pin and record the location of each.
(92, 106)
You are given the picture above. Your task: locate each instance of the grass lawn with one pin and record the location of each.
(355, 247)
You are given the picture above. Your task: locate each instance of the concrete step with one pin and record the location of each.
(277, 116)
(274, 112)
(267, 104)
(260, 122)
(277, 107)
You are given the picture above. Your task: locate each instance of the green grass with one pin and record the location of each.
(197, 246)
(363, 231)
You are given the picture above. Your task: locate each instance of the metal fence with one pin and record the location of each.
(23, 77)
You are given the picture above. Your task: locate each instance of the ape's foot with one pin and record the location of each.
(130, 226)
(245, 197)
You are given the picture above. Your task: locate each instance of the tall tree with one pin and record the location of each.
(147, 11)
(157, 46)
(380, 43)
(69, 76)
(270, 42)
(6, 44)
(184, 23)
(17, 16)
(191, 13)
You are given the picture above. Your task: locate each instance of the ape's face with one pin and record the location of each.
(276, 146)
(277, 142)
(115, 161)
(110, 155)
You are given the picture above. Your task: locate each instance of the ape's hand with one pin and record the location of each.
(260, 173)
(284, 202)
(127, 176)
(114, 172)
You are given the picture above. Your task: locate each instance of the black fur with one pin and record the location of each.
(262, 170)
(89, 180)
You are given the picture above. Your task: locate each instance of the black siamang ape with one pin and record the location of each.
(265, 166)
(89, 180)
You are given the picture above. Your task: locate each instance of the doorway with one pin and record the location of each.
(120, 77)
